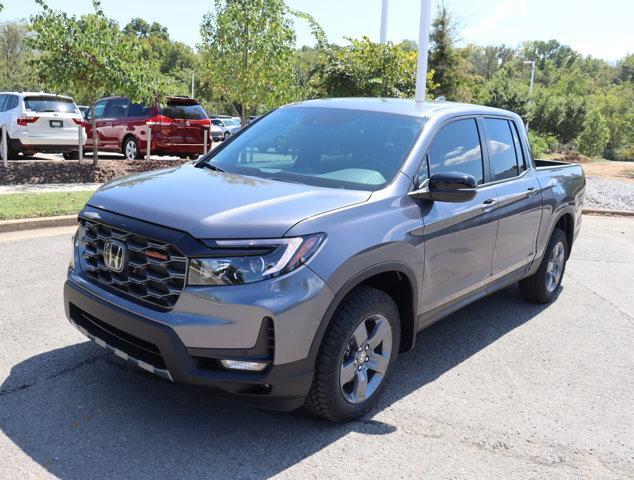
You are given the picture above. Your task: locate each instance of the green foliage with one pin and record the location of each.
(504, 91)
(88, 56)
(443, 58)
(366, 69)
(538, 143)
(594, 136)
(15, 56)
(248, 53)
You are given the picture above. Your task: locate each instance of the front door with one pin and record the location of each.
(459, 237)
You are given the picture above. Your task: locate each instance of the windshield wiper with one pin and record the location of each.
(213, 167)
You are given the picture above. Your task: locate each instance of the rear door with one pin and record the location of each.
(519, 196)
(188, 123)
(52, 119)
(459, 237)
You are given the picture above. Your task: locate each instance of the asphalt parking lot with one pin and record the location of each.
(501, 389)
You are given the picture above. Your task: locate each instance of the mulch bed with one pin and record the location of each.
(64, 171)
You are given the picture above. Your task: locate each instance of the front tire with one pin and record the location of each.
(356, 356)
(544, 284)
(226, 136)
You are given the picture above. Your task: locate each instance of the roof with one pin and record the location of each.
(33, 94)
(399, 106)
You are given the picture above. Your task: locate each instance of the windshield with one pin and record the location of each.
(184, 110)
(232, 122)
(50, 104)
(328, 147)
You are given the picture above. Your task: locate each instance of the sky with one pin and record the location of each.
(601, 29)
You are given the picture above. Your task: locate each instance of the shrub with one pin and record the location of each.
(594, 136)
(539, 144)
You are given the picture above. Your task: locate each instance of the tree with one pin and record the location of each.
(367, 69)
(88, 56)
(14, 57)
(443, 58)
(594, 136)
(504, 91)
(248, 53)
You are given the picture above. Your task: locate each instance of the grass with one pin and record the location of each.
(48, 204)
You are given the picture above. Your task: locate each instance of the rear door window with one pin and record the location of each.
(44, 103)
(191, 111)
(117, 108)
(501, 148)
(3, 99)
(456, 148)
(13, 102)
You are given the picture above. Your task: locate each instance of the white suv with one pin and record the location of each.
(40, 122)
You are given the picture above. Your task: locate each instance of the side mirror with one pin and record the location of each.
(448, 187)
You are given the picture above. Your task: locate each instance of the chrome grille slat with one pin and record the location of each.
(150, 281)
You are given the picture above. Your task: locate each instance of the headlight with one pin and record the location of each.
(248, 261)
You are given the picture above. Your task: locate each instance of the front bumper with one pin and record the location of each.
(157, 348)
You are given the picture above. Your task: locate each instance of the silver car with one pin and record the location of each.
(228, 126)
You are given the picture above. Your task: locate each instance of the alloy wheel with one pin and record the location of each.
(555, 267)
(130, 150)
(366, 358)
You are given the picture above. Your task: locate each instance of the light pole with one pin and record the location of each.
(530, 89)
(384, 8)
(423, 47)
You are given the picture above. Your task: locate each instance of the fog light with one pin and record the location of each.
(242, 365)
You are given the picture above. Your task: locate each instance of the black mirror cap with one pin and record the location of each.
(452, 187)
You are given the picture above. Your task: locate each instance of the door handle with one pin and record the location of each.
(530, 191)
(489, 205)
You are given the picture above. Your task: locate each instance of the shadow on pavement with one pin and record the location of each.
(81, 413)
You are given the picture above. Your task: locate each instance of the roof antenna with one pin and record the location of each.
(440, 99)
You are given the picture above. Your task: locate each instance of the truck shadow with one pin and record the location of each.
(81, 413)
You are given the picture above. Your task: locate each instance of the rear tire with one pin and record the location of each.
(544, 284)
(12, 154)
(130, 149)
(70, 155)
(226, 135)
(356, 356)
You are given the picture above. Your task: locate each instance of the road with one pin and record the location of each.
(502, 389)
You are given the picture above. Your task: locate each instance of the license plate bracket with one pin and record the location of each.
(56, 123)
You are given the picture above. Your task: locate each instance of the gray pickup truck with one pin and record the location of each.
(293, 274)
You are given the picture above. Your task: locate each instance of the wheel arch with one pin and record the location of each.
(395, 279)
(125, 138)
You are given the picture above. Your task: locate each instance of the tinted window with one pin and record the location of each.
(44, 103)
(521, 160)
(13, 102)
(364, 150)
(3, 99)
(117, 108)
(184, 110)
(216, 122)
(456, 148)
(501, 148)
(100, 108)
(138, 110)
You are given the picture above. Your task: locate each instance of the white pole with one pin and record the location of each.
(5, 152)
(80, 135)
(205, 135)
(423, 47)
(384, 21)
(149, 142)
(192, 85)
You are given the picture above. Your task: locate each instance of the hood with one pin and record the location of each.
(209, 204)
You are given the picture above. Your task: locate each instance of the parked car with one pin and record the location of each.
(39, 122)
(297, 279)
(228, 125)
(83, 109)
(178, 127)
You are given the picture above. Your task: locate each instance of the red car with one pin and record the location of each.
(179, 126)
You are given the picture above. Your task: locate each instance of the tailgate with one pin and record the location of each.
(51, 116)
(188, 120)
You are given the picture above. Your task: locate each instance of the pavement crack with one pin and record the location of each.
(622, 312)
(18, 388)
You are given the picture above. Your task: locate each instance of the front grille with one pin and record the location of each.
(149, 280)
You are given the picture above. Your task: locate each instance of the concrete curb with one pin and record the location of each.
(612, 213)
(41, 222)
